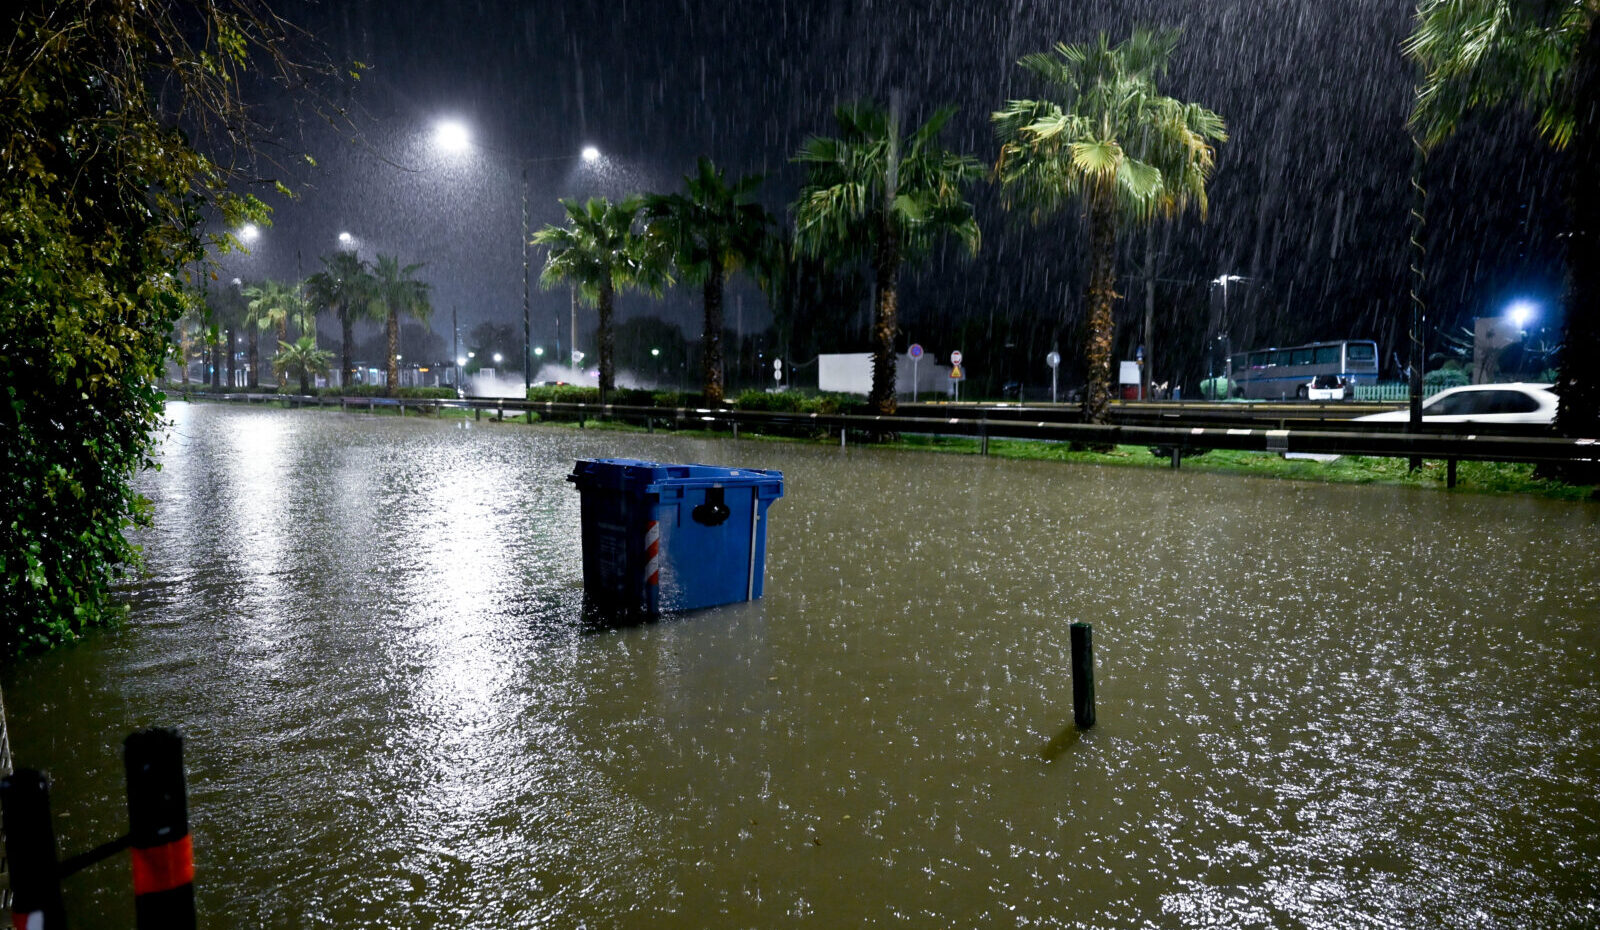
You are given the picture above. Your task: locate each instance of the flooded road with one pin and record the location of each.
(1319, 706)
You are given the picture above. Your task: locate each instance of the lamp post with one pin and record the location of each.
(1222, 330)
(454, 137)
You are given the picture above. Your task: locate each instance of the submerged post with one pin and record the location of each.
(1083, 675)
(158, 831)
(31, 851)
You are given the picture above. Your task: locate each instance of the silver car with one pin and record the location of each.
(1518, 402)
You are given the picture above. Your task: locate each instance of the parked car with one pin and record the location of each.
(1328, 387)
(1518, 402)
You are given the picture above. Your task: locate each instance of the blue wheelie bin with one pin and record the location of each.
(659, 537)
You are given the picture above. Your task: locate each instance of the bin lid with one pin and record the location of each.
(640, 477)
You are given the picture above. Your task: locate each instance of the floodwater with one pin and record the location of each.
(1319, 706)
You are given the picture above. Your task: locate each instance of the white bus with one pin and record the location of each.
(1284, 374)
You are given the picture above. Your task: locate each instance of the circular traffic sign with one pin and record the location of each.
(915, 351)
(777, 364)
(955, 357)
(1053, 359)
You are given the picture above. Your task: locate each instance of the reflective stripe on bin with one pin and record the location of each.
(652, 553)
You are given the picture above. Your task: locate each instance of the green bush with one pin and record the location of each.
(1448, 376)
(796, 402)
(378, 390)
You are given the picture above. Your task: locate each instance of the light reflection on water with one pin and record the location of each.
(1319, 706)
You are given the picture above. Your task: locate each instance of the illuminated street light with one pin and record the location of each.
(452, 136)
(656, 353)
(538, 351)
(249, 232)
(345, 238)
(497, 358)
(1520, 312)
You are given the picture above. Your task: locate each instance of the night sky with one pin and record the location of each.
(1309, 199)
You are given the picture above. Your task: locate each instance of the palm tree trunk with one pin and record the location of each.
(1102, 294)
(233, 364)
(886, 326)
(346, 335)
(1579, 382)
(394, 351)
(255, 356)
(607, 340)
(216, 363)
(711, 364)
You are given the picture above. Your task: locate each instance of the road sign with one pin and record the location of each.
(777, 364)
(777, 375)
(1138, 354)
(955, 357)
(915, 351)
(956, 374)
(1053, 359)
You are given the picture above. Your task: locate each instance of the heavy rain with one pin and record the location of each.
(1315, 704)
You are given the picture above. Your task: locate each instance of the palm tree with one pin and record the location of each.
(395, 292)
(874, 192)
(1107, 138)
(268, 305)
(1545, 58)
(344, 288)
(712, 231)
(601, 252)
(303, 359)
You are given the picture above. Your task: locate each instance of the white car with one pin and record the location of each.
(1481, 403)
(1327, 387)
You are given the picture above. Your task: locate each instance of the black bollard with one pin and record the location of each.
(1083, 675)
(158, 831)
(31, 851)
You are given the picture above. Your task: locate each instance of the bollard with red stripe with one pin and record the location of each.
(31, 852)
(158, 831)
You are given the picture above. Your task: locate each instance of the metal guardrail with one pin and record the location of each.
(1451, 443)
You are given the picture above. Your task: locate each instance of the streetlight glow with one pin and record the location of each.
(452, 135)
(539, 351)
(345, 238)
(591, 154)
(249, 232)
(1520, 312)
(656, 352)
(497, 358)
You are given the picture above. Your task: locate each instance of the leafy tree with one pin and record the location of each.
(601, 251)
(488, 338)
(395, 292)
(878, 193)
(1545, 58)
(344, 288)
(302, 359)
(1106, 138)
(189, 331)
(712, 230)
(102, 106)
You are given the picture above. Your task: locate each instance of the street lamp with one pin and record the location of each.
(454, 137)
(1222, 329)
